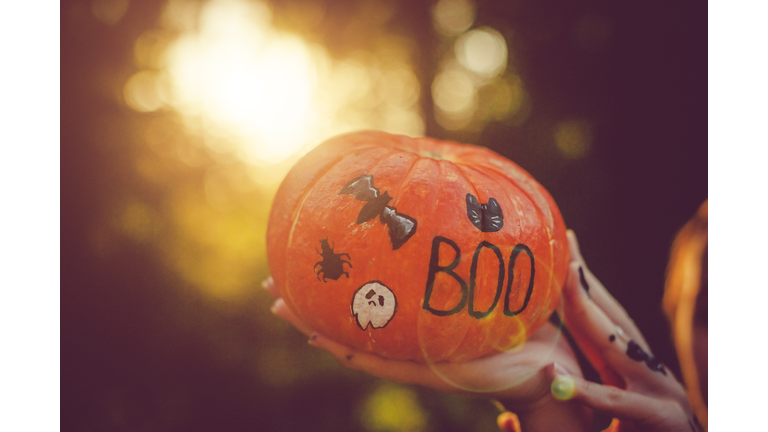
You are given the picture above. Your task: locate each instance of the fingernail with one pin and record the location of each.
(273, 309)
(623, 336)
(559, 370)
(265, 283)
(563, 387)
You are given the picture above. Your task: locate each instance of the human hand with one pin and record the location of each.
(639, 391)
(517, 378)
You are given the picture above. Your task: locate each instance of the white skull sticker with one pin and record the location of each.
(374, 304)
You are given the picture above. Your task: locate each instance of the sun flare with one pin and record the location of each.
(269, 94)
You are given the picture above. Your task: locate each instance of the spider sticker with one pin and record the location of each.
(332, 265)
(486, 217)
(374, 304)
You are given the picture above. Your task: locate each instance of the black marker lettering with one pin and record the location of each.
(512, 260)
(434, 268)
(473, 276)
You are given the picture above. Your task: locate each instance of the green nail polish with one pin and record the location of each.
(563, 387)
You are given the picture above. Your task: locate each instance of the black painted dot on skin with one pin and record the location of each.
(638, 354)
(349, 357)
(635, 352)
(611, 338)
(656, 365)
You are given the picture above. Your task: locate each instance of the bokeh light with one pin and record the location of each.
(453, 17)
(109, 12)
(474, 86)
(393, 408)
(142, 92)
(573, 138)
(483, 51)
(455, 97)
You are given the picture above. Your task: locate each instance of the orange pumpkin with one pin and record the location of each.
(414, 248)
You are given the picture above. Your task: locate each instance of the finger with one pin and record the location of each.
(573, 246)
(269, 285)
(610, 351)
(612, 308)
(282, 310)
(617, 403)
(587, 334)
(402, 371)
(602, 297)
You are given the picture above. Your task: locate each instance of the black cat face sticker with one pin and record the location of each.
(401, 227)
(486, 217)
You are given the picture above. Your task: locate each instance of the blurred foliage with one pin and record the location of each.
(167, 187)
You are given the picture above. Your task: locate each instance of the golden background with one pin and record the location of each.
(180, 118)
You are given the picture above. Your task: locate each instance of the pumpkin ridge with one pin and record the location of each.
(331, 166)
(542, 190)
(530, 180)
(384, 241)
(447, 355)
(462, 169)
(551, 262)
(540, 213)
(286, 291)
(515, 183)
(406, 177)
(297, 212)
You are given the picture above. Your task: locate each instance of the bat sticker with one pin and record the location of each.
(332, 265)
(486, 217)
(401, 227)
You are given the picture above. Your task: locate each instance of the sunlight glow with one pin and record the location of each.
(253, 85)
(240, 101)
(268, 95)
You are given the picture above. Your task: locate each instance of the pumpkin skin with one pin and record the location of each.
(460, 220)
